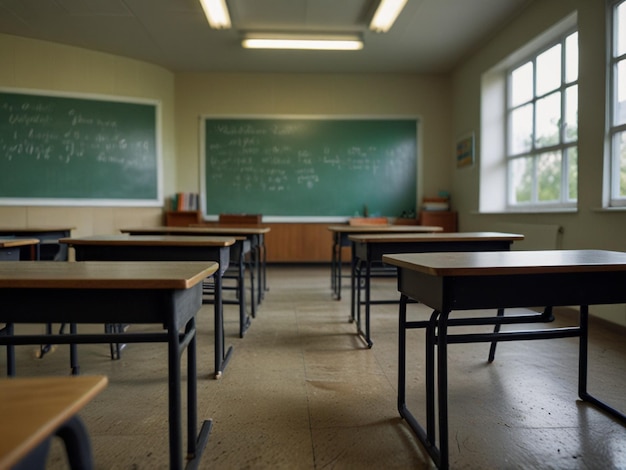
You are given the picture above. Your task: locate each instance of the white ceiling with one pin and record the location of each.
(430, 36)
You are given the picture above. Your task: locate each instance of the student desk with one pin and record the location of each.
(162, 293)
(48, 238)
(340, 234)
(254, 242)
(256, 236)
(10, 248)
(167, 248)
(489, 280)
(35, 409)
(370, 248)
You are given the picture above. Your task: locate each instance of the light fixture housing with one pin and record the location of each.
(302, 42)
(386, 15)
(216, 13)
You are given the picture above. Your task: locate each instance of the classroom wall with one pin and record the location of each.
(39, 65)
(222, 94)
(590, 226)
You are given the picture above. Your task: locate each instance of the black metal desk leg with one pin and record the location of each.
(442, 388)
(430, 377)
(494, 343)
(352, 287)
(583, 360)
(8, 330)
(174, 398)
(368, 293)
(402, 355)
(75, 437)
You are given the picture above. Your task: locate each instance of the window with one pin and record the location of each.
(617, 103)
(542, 127)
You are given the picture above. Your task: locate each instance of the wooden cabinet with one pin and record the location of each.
(445, 219)
(298, 243)
(182, 218)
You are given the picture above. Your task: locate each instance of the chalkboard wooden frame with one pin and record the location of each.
(110, 144)
(213, 147)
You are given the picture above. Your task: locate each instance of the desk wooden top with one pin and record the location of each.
(509, 262)
(32, 409)
(199, 230)
(40, 229)
(150, 240)
(384, 228)
(104, 274)
(435, 237)
(14, 242)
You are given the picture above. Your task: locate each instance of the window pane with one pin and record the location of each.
(619, 79)
(522, 84)
(620, 26)
(521, 179)
(549, 70)
(571, 114)
(572, 173)
(521, 129)
(547, 120)
(571, 58)
(549, 177)
(621, 155)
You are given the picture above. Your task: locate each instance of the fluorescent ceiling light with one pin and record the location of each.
(217, 13)
(286, 41)
(386, 14)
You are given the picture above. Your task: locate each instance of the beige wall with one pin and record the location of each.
(30, 64)
(447, 106)
(589, 226)
(426, 97)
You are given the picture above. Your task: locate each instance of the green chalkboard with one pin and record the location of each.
(74, 150)
(309, 167)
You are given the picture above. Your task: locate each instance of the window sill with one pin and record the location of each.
(531, 211)
(608, 210)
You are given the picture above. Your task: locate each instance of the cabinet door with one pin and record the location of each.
(445, 219)
(182, 218)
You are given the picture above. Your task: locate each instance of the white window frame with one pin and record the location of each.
(614, 129)
(535, 152)
(494, 127)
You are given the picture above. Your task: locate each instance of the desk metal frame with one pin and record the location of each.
(369, 249)
(340, 234)
(512, 279)
(173, 308)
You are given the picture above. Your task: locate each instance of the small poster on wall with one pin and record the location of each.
(465, 151)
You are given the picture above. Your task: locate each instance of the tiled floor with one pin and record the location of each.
(302, 392)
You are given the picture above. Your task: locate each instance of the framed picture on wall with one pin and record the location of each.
(465, 151)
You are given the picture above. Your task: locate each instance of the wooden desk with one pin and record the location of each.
(340, 234)
(370, 248)
(48, 237)
(167, 248)
(255, 237)
(168, 294)
(35, 409)
(10, 248)
(489, 280)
